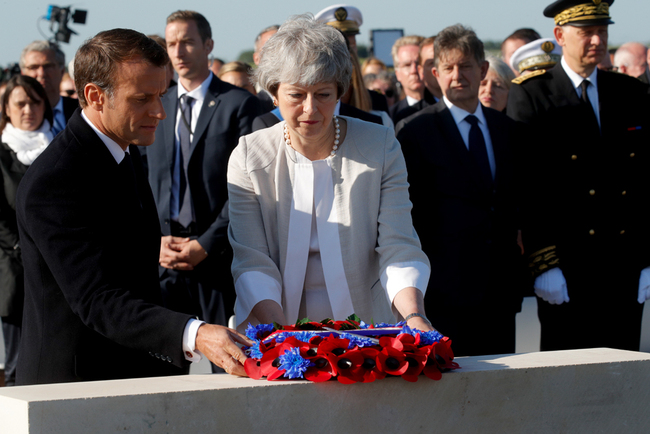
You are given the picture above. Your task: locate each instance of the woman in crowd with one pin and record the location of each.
(494, 88)
(320, 218)
(384, 84)
(25, 127)
(238, 74)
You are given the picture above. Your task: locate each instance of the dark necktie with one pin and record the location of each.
(180, 183)
(478, 149)
(585, 99)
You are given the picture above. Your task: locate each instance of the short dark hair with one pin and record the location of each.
(524, 34)
(99, 57)
(202, 25)
(458, 37)
(34, 91)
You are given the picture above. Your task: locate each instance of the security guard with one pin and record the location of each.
(588, 164)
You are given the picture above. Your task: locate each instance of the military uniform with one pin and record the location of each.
(588, 190)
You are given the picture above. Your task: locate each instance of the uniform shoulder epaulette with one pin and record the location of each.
(525, 77)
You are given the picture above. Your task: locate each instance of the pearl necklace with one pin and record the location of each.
(337, 136)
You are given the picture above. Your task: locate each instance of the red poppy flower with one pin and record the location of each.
(348, 366)
(369, 370)
(392, 361)
(431, 367)
(416, 362)
(334, 345)
(444, 355)
(270, 362)
(324, 368)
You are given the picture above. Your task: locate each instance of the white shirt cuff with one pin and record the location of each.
(189, 340)
(402, 275)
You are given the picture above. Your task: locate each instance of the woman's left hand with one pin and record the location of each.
(420, 324)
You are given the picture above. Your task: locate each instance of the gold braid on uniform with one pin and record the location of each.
(543, 260)
(588, 11)
(531, 74)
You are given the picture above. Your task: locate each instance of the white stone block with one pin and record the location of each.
(586, 391)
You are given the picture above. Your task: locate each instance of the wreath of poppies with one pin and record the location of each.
(350, 351)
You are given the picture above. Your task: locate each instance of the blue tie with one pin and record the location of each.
(478, 149)
(181, 203)
(57, 126)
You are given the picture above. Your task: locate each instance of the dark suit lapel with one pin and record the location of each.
(565, 95)
(210, 104)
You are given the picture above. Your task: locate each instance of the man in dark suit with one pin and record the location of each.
(585, 227)
(45, 62)
(90, 238)
(432, 91)
(187, 171)
(461, 167)
(405, 52)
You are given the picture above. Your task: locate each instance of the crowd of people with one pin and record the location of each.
(151, 192)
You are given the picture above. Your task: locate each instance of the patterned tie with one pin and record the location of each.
(478, 149)
(181, 199)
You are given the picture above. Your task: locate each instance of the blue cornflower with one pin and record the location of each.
(363, 325)
(303, 336)
(254, 351)
(293, 364)
(359, 341)
(259, 331)
(428, 338)
(406, 330)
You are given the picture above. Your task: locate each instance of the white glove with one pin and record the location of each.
(551, 286)
(644, 285)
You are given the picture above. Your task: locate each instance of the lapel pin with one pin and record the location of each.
(211, 104)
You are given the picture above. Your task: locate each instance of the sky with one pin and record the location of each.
(235, 24)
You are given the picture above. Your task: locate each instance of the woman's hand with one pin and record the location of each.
(410, 300)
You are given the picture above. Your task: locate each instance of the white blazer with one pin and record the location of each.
(374, 214)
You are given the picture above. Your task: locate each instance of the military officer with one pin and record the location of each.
(585, 228)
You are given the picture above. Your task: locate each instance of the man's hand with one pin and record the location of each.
(217, 343)
(178, 253)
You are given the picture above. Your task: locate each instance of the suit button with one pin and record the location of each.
(150, 353)
(592, 192)
(624, 193)
(166, 221)
(574, 157)
(157, 356)
(591, 232)
(622, 232)
(632, 155)
(169, 359)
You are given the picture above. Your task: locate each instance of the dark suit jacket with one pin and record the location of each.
(396, 108)
(11, 267)
(587, 188)
(269, 119)
(266, 101)
(69, 107)
(467, 229)
(428, 100)
(227, 113)
(90, 246)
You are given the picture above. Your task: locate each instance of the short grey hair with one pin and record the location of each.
(502, 70)
(258, 38)
(305, 52)
(41, 47)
